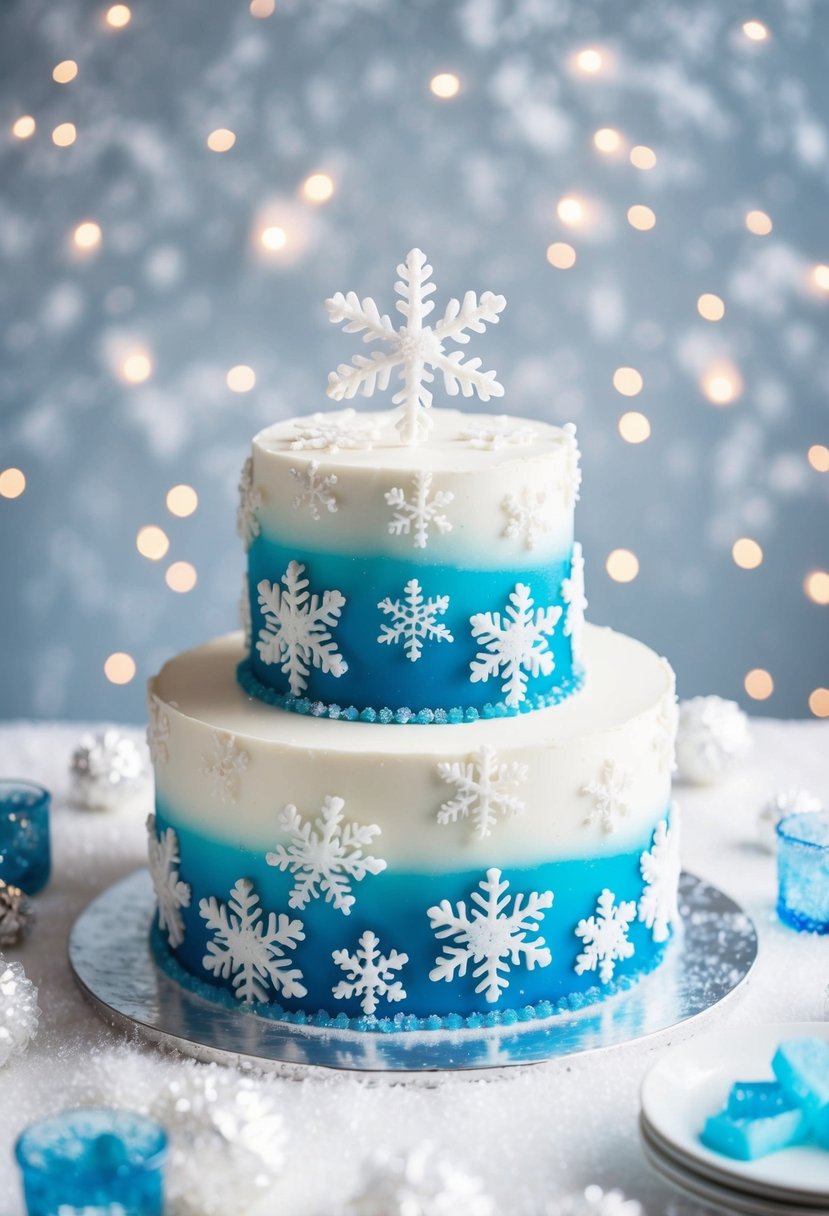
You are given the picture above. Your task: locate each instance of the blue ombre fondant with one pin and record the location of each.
(380, 677)
(394, 905)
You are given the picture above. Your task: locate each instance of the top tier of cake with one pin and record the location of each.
(412, 584)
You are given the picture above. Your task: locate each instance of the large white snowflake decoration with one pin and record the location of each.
(484, 790)
(493, 934)
(516, 646)
(529, 516)
(171, 892)
(660, 867)
(419, 1184)
(251, 951)
(369, 974)
(497, 433)
(333, 433)
(315, 491)
(572, 592)
(414, 620)
(158, 731)
(417, 350)
(414, 516)
(326, 856)
(297, 628)
(250, 500)
(605, 936)
(224, 765)
(610, 794)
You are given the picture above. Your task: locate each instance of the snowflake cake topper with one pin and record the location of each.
(417, 350)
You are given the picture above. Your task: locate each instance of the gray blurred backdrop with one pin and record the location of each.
(342, 87)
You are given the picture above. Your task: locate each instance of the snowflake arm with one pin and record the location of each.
(171, 893)
(572, 592)
(660, 868)
(325, 856)
(484, 790)
(251, 951)
(414, 620)
(516, 647)
(369, 973)
(359, 317)
(297, 628)
(605, 936)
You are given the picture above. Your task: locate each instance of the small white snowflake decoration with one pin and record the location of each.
(484, 790)
(497, 433)
(334, 433)
(610, 794)
(660, 867)
(326, 856)
(417, 350)
(245, 619)
(529, 516)
(516, 646)
(315, 490)
(250, 500)
(297, 628)
(493, 934)
(569, 473)
(171, 892)
(572, 592)
(251, 951)
(605, 936)
(158, 731)
(224, 765)
(414, 516)
(414, 620)
(369, 974)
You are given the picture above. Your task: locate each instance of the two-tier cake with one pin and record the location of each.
(417, 791)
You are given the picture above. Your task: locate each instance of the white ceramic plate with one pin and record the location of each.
(692, 1081)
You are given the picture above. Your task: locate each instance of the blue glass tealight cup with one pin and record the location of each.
(25, 852)
(803, 871)
(93, 1162)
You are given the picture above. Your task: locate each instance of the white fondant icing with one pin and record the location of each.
(605, 936)
(369, 974)
(514, 647)
(297, 627)
(249, 949)
(484, 790)
(414, 620)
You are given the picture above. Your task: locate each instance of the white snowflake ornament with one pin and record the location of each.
(419, 1184)
(369, 974)
(250, 950)
(344, 431)
(296, 634)
(572, 592)
(158, 731)
(660, 867)
(416, 350)
(516, 646)
(529, 516)
(19, 1012)
(250, 500)
(610, 796)
(326, 856)
(315, 490)
(415, 516)
(492, 934)
(414, 620)
(484, 790)
(783, 802)
(171, 892)
(224, 765)
(712, 739)
(605, 936)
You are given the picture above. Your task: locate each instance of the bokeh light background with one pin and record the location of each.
(182, 185)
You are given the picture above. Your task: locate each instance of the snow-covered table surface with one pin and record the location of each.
(531, 1135)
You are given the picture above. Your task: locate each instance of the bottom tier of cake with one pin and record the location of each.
(428, 876)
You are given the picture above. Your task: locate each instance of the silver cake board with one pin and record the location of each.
(110, 955)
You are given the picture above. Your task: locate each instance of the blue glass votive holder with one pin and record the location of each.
(93, 1162)
(25, 853)
(803, 871)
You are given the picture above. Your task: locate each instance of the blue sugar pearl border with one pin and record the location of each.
(403, 716)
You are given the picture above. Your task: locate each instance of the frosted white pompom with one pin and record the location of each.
(419, 1184)
(712, 739)
(19, 1013)
(783, 802)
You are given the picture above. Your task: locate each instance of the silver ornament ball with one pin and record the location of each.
(107, 769)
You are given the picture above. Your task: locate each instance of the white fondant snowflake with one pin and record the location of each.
(224, 765)
(416, 349)
(414, 517)
(369, 973)
(252, 951)
(414, 620)
(529, 516)
(605, 936)
(244, 613)
(492, 935)
(610, 794)
(325, 856)
(569, 470)
(660, 867)
(297, 624)
(158, 731)
(250, 500)
(171, 892)
(497, 433)
(572, 592)
(515, 647)
(335, 433)
(485, 790)
(314, 490)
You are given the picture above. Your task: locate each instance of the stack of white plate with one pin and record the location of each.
(691, 1082)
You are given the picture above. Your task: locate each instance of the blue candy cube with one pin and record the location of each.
(802, 1068)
